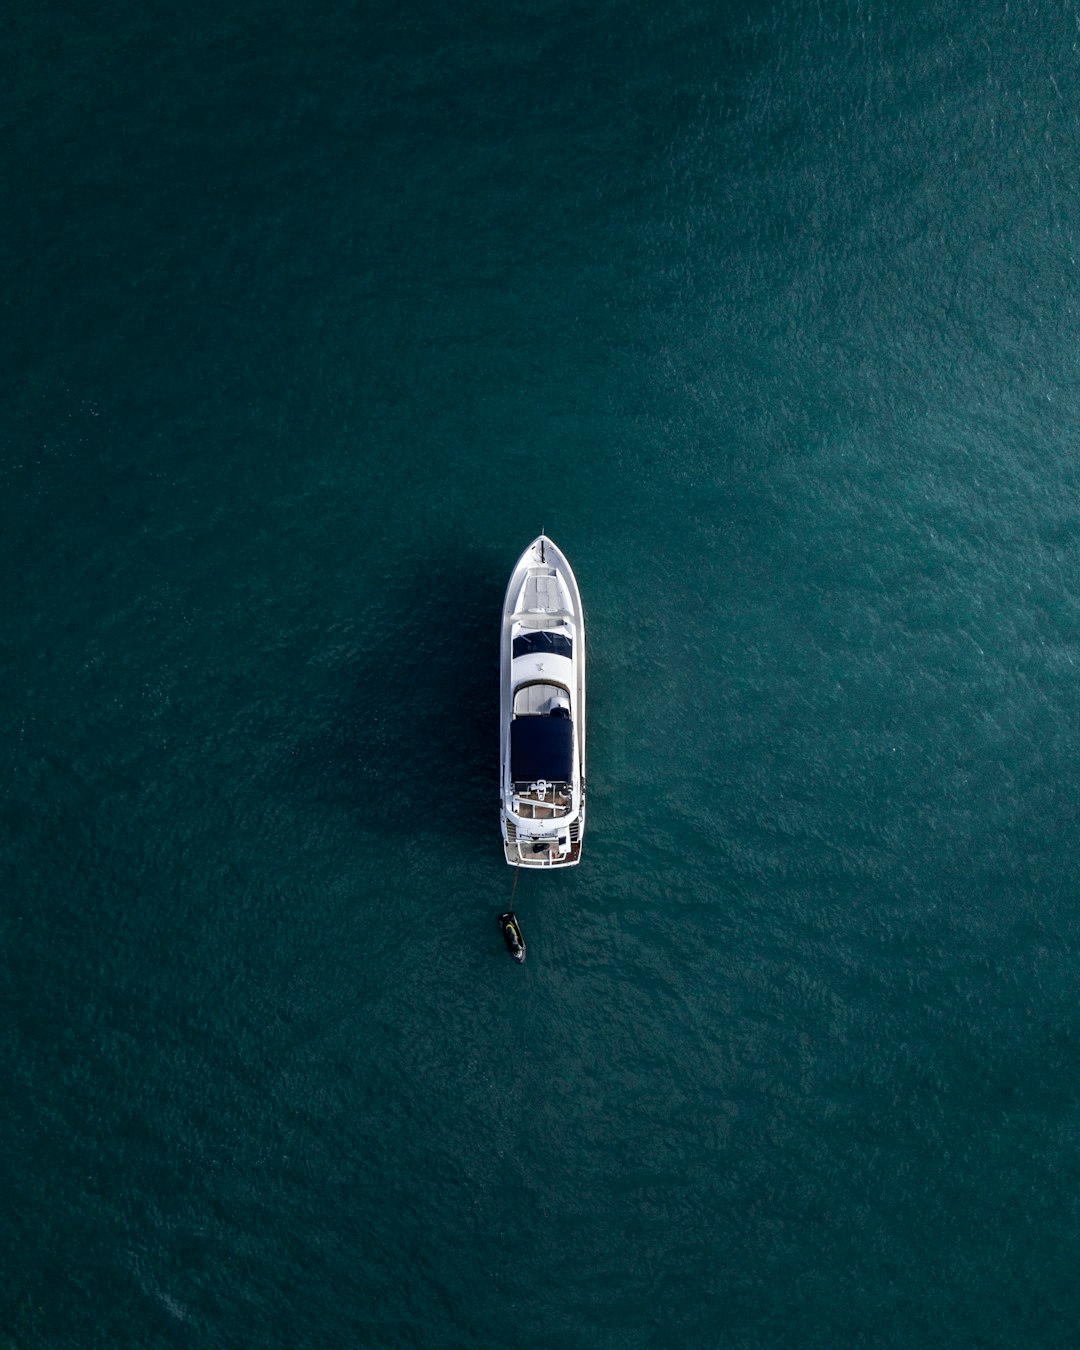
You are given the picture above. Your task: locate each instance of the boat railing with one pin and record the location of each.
(541, 801)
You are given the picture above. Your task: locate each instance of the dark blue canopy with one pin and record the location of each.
(541, 747)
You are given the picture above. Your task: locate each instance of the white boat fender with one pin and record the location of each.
(511, 931)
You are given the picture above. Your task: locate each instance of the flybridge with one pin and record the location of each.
(541, 748)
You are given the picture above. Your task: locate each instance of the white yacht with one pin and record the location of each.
(542, 705)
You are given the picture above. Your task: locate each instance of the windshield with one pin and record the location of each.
(542, 644)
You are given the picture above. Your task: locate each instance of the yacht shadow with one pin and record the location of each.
(411, 743)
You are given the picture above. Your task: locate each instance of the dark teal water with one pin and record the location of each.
(313, 317)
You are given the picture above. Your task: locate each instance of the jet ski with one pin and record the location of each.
(515, 943)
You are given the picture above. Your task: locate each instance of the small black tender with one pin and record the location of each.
(515, 943)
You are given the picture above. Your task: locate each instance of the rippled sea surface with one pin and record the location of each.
(314, 316)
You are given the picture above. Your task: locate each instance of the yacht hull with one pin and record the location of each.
(542, 711)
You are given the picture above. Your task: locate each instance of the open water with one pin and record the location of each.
(313, 316)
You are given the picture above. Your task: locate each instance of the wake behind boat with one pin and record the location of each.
(542, 707)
